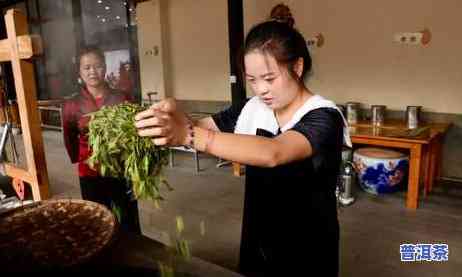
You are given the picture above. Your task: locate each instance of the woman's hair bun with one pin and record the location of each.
(281, 13)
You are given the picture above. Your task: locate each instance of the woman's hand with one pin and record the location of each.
(164, 122)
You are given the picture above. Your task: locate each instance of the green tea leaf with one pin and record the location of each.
(118, 151)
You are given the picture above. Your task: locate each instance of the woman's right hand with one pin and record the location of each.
(164, 123)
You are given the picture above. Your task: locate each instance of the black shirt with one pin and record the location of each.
(279, 201)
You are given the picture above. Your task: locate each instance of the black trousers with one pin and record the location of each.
(113, 193)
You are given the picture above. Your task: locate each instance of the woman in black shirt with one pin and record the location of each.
(291, 141)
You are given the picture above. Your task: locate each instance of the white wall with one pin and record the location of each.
(197, 59)
(256, 11)
(192, 38)
(151, 48)
(359, 61)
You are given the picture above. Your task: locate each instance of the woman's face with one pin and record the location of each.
(269, 81)
(92, 70)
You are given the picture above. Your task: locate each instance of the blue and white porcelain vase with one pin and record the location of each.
(381, 170)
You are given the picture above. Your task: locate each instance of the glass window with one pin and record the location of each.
(66, 25)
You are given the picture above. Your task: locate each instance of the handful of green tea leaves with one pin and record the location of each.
(118, 151)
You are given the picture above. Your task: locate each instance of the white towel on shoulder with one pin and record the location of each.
(257, 115)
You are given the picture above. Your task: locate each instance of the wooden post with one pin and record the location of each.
(17, 48)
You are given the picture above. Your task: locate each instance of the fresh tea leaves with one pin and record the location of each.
(179, 224)
(182, 245)
(202, 228)
(117, 212)
(118, 151)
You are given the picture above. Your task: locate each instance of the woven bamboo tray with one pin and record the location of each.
(55, 233)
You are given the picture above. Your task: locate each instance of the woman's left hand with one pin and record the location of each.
(166, 124)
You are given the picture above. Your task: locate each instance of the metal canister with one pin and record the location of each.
(378, 114)
(352, 112)
(413, 116)
(377, 131)
(347, 180)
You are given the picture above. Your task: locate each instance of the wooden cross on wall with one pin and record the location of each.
(18, 48)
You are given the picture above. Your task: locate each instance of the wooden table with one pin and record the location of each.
(424, 145)
(139, 255)
(129, 255)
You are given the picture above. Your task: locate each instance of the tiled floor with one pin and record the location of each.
(372, 229)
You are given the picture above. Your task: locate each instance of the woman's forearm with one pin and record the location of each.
(245, 149)
(206, 123)
(169, 127)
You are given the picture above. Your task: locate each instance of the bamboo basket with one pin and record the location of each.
(55, 233)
